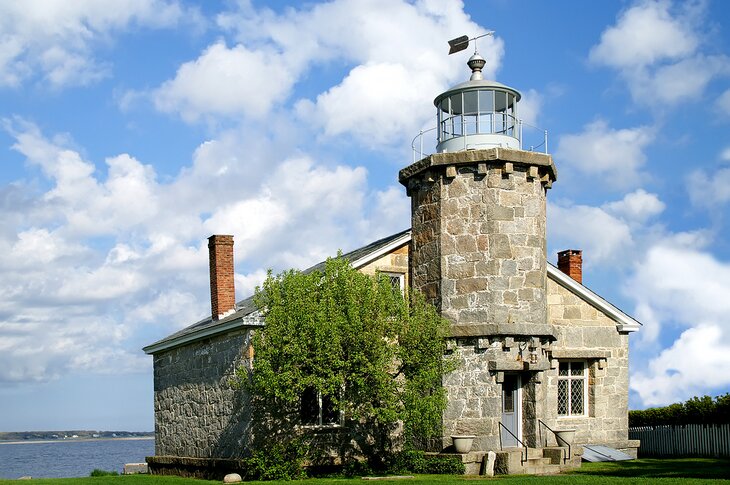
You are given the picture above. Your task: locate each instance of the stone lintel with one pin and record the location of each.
(503, 365)
(580, 354)
(506, 365)
(542, 364)
(502, 329)
(541, 161)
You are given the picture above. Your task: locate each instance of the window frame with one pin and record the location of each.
(320, 414)
(401, 279)
(570, 378)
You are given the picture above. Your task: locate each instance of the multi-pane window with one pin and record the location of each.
(397, 280)
(318, 409)
(572, 388)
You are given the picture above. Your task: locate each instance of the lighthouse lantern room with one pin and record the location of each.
(478, 114)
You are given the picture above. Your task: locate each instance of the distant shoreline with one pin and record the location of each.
(76, 440)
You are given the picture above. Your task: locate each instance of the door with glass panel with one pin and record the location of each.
(511, 410)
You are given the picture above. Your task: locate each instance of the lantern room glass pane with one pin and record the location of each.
(486, 101)
(470, 102)
(500, 101)
(471, 109)
(456, 105)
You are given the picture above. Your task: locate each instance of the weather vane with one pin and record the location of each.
(461, 43)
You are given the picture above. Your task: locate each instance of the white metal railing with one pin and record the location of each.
(537, 136)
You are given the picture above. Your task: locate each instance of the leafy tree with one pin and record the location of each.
(696, 410)
(356, 341)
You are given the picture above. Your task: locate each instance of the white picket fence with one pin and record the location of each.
(711, 440)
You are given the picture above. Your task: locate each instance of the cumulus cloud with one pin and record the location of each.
(644, 34)
(123, 244)
(656, 48)
(701, 355)
(602, 235)
(636, 207)
(616, 154)
(55, 40)
(678, 285)
(391, 73)
(710, 189)
(610, 232)
(226, 82)
(723, 103)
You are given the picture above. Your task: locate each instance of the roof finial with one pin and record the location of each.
(476, 63)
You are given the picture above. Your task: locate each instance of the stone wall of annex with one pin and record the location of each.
(395, 262)
(585, 333)
(198, 412)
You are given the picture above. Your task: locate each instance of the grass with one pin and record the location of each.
(688, 471)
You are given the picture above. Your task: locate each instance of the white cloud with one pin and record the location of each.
(723, 103)
(119, 242)
(709, 189)
(529, 106)
(385, 66)
(656, 49)
(376, 103)
(602, 236)
(677, 284)
(56, 39)
(636, 207)
(699, 357)
(725, 155)
(645, 34)
(228, 82)
(683, 283)
(617, 155)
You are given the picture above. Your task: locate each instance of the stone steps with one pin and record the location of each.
(540, 461)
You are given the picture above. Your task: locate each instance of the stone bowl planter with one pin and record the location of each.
(462, 444)
(565, 437)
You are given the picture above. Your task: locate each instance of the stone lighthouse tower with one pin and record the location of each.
(479, 254)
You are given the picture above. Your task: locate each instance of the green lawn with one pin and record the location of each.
(646, 471)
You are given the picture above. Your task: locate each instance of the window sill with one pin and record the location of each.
(320, 427)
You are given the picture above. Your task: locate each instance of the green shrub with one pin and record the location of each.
(102, 473)
(412, 461)
(697, 410)
(356, 469)
(281, 461)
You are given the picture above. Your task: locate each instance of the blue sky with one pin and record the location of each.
(132, 130)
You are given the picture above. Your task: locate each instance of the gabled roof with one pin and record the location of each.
(247, 316)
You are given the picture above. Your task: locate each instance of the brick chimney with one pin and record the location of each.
(570, 262)
(222, 290)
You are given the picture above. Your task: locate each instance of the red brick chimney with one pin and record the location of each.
(570, 262)
(222, 290)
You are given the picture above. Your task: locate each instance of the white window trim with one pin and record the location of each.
(569, 378)
(401, 278)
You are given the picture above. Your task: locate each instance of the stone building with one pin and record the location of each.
(539, 351)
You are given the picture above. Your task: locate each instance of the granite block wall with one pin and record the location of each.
(198, 411)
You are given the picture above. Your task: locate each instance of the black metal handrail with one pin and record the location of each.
(522, 460)
(544, 443)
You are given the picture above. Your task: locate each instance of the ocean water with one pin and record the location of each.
(68, 459)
